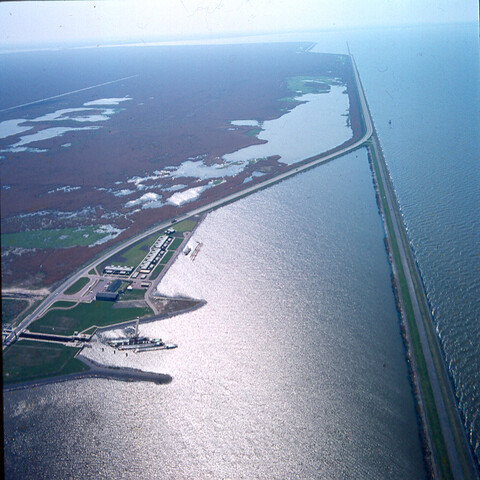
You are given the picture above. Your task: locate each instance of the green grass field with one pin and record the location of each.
(133, 255)
(175, 244)
(162, 264)
(185, 225)
(11, 308)
(302, 85)
(135, 294)
(168, 255)
(425, 385)
(253, 132)
(77, 286)
(63, 304)
(29, 360)
(309, 84)
(57, 238)
(90, 331)
(157, 271)
(83, 316)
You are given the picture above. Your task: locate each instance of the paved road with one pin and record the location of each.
(391, 202)
(440, 404)
(53, 297)
(436, 378)
(369, 130)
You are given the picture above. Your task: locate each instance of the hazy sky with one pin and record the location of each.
(35, 23)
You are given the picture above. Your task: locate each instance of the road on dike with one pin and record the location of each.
(46, 304)
(369, 130)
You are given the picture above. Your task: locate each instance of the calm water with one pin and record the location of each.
(295, 367)
(312, 132)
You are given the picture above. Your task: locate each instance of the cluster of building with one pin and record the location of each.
(124, 271)
(157, 251)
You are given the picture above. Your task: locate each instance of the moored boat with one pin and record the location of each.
(140, 344)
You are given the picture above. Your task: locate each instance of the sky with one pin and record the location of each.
(56, 22)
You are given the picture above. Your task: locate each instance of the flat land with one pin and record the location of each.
(133, 255)
(83, 316)
(444, 426)
(55, 238)
(135, 294)
(27, 360)
(11, 308)
(77, 286)
(54, 203)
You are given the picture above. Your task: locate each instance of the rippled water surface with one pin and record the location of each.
(294, 369)
(427, 83)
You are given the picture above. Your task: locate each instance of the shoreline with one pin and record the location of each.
(149, 296)
(98, 370)
(356, 141)
(447, 452)
(452, 455)
(209, 140)
(125, 374)
(155, 318)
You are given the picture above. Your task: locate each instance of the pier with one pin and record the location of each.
(194, 254)
(98, 371)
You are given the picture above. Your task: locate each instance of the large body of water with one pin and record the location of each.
(427, 82)
(295, 367)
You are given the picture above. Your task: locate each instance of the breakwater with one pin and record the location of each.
(96, 370)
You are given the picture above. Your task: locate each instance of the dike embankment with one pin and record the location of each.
(447, 451)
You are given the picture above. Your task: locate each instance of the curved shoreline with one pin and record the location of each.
(356, 141)
(97, 370)
(458, 461)
(154, 318)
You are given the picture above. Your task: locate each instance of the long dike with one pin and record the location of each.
(447, 451)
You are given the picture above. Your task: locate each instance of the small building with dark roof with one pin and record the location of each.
(114, 286)
(107, 296)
